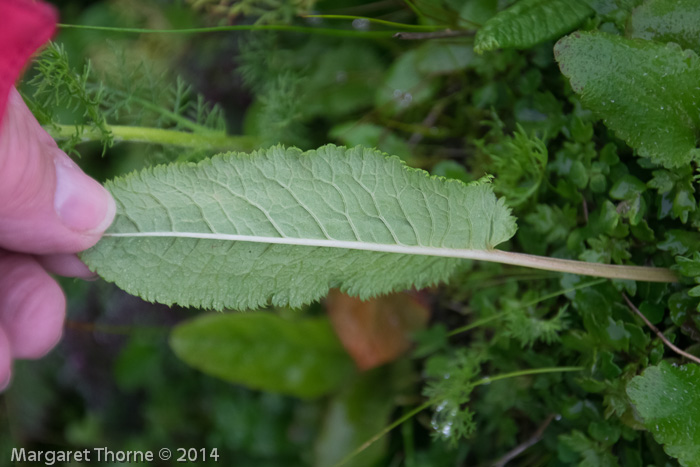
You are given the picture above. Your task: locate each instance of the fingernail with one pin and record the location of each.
(82, 204)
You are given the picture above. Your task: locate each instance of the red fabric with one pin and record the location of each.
(24, 26)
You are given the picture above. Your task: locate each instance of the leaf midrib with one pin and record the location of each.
(639, 273)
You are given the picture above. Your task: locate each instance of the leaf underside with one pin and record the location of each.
(647, 92)
(328, 195)
(529, 22)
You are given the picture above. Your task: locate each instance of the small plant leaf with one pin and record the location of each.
(664, 21)
(405, 85)
(633, 85)
(530, 22)
(283, 226)
(301, 358)
(666, 397)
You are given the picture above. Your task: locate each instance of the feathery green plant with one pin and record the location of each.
(131, 104)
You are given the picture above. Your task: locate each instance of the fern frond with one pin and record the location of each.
(57, 85)
(526, 327)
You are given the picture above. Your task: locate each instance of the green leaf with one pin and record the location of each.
(342, 81)
(529, 22)
(264, 351)
(280, 225)
(357, 413)
(370, 135)
(404, 85)
(633, 85)
(444, 57)
(666, 397)
(667, 21)
(589, 452)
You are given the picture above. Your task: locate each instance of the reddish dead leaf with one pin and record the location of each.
(376, 331)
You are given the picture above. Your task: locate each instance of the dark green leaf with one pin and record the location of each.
(264, 351)
(441, 57)
(633, 85)
(667, 21)
(679, 242)
(627, 187)
(666, 398)
(530, 22)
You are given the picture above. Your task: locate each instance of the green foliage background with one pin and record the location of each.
(584, 181)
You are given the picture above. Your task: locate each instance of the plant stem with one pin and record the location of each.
(215, 141)
(659, 333)
(476, 324)
(519, 449)
(532, 371)
(420, 408)
(414, 27)
(407, 416)
(175, 118)
(483, 321)
(609, 271)
(269, 27)
(419, 36)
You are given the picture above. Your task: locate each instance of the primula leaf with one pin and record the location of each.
(647, 92)
(666, 397)
(667, 21)
(530, 22)
(283, 226)
(264, 351)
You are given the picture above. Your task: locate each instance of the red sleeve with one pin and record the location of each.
(24, 26)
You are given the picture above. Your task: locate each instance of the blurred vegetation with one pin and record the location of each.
(579, 190)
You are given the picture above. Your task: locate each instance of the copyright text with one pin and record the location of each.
(104, 454)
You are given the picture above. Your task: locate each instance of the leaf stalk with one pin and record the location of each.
(137, 134)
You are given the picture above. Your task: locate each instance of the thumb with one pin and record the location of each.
(47, 204)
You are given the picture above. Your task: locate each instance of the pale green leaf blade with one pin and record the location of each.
(529, 22)
(666, 396)
(665, 21)
(647, 92)
(282, 227)
(301, 358)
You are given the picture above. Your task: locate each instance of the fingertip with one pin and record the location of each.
(49, 205)
(82, 204)
(32, 307)
(67, 265)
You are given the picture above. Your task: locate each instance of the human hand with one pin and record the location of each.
(49, 209)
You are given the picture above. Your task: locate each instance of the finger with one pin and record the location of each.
(48, 204)
(5, 361)
(67, 265)
(32, 306)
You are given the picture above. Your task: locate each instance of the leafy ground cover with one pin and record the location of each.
(564, 130)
